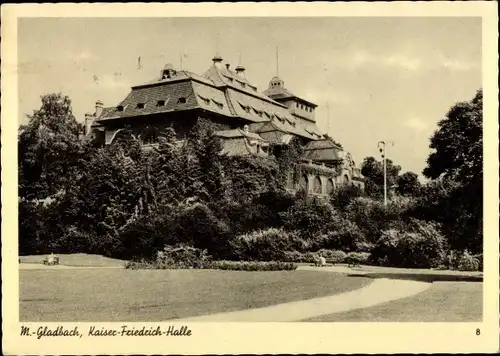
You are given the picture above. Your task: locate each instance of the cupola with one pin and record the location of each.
(168, 72)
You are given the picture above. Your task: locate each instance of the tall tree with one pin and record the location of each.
(457, 162)
(49, 149)
(458, 143)
(408, 184)
(373, 171)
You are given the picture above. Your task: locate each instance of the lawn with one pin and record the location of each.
(155, 295)
(76, 260)
(443, 302)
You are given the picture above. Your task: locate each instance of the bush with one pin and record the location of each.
(333, 256)
(298, 257)
(464, 261)
(357, 258)
(309, 217)
(223, 265)
(175, 257)
(340, 198)
(372, 217)
(419, 245)
(251, 266)
(346, 236)
(265, 245)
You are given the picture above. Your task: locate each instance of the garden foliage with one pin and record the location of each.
(188, 206)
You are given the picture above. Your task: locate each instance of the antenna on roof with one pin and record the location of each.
(327, 118)
(277, 63)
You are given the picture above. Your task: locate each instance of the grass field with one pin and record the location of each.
(443, 302)
(155, 295)
(77, 260)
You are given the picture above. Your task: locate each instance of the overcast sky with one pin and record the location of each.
(383, 78)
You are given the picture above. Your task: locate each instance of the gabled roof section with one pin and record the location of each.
(185, 92)
(322, 150)
(177, 76)
(222, 76)
(155, 99)
(236, 133)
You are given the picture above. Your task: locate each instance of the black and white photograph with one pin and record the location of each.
(315, 170)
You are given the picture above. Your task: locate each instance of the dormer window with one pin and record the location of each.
(161, 103)
(120, 108)
(219, 105)
(140, 105)
(181, 100)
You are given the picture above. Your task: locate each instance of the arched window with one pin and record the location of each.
(329, 186)
(303, 183)
(346, 179)
(289, 180)
(317, 187)
(149, 136)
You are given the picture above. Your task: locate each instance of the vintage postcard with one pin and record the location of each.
(228, 178)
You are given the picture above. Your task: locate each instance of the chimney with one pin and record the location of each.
(217, 61)
(98, 108)
(89, 119)
(240, 70)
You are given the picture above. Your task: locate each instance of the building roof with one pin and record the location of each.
(219, 90)
(322, 150)
(237, 133)
(277, 91)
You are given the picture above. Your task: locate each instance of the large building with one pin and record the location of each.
(248, 121)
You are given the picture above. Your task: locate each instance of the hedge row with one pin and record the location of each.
(223, 265)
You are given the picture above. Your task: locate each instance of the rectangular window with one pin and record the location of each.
(160, 103)
(140, 105)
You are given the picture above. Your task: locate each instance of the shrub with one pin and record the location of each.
(419, 245)
(464, 261)
(340, 198)
(265, 245)
(357, 258)
(252, 265)
(333, 256)
(298, 257)
(309, 217)
(372, 217)
(346, 236)
(174, 257)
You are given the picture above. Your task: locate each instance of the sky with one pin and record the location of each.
(373, 78)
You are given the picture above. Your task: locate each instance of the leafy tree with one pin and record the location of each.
(458, 143)
(49, 149)
(373, 171)
(408, 184)
(456, 198)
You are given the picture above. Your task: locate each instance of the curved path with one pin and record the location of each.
(379, 291)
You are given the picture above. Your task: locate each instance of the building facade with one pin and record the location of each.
(248, 122)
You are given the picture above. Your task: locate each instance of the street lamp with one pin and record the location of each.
(382, 148)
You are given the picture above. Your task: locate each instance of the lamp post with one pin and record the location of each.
(382, 148)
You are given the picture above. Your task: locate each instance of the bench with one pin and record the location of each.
(51, 261)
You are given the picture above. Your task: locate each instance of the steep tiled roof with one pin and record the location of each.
(277, 91)
(179, 75)
(222, 76)
(155, 99)
(168, 96)
(322, 150)
(235, 133)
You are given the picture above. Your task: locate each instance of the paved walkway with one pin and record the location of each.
(379, 291)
